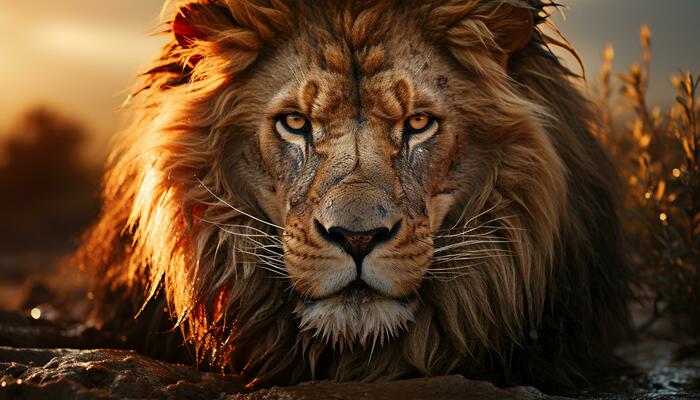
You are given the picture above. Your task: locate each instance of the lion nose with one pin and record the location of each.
(357, 244)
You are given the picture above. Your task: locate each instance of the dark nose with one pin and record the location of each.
(357, 244)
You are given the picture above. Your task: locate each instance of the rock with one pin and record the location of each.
(122, 374)
(104, 374)
(453, 387)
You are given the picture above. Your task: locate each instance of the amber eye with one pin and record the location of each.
(418, 123)
(295, 123)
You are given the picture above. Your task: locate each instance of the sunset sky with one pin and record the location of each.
(81, 56)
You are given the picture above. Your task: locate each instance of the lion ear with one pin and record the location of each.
(199, 22)
(512, 26)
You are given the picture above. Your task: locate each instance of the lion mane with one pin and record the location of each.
(177, 215)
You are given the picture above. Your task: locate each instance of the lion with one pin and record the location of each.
(363, 190)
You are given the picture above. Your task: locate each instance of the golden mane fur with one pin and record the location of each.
(542, 306)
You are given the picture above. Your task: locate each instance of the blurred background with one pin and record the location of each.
(67, 66)
(79, 57)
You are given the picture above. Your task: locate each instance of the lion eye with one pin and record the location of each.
(296, 123)
(418, 123)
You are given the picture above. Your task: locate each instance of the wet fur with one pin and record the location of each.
(179, 182)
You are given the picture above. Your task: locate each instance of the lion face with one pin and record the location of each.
(362, 148)
(363, 159)
(361, 151)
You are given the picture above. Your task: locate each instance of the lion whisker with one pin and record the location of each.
(470, 243)
(271, 266)
(273, 248)
(461, 255)
(485, 224)
(489, 230)
(448, 271)
(277, 242)
(254, 241)
(473, 251)
(259, 232)
(482, 213)
(237, 209)
(273, 251)
(269, 259)
(462, 259)
(467, 257)
(445, 277)
(505, 228)
(469, 238)
(281, 274)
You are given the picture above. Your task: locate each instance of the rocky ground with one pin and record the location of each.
(32, 372)
(120, 374)
(39, 360)
(44, 358)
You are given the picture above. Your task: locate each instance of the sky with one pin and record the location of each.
(81, 56)
(675, 25)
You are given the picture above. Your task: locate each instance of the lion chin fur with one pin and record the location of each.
(344, 321)
(176, 203)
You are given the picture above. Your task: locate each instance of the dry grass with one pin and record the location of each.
(657, 154)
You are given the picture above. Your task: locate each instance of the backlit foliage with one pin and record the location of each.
(657, 154)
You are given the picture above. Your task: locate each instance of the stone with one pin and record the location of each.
(104, 374)
(58, 374)
(451, 387)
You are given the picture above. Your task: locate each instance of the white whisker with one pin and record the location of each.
(462, 259)
(474, 217)
(237, 209)
(272, 249)
(469, 243)
(485, 224)
(267, 259)
(258, 232)
(469, 256)
(274, 271)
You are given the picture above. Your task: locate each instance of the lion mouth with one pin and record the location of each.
(359, 292)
